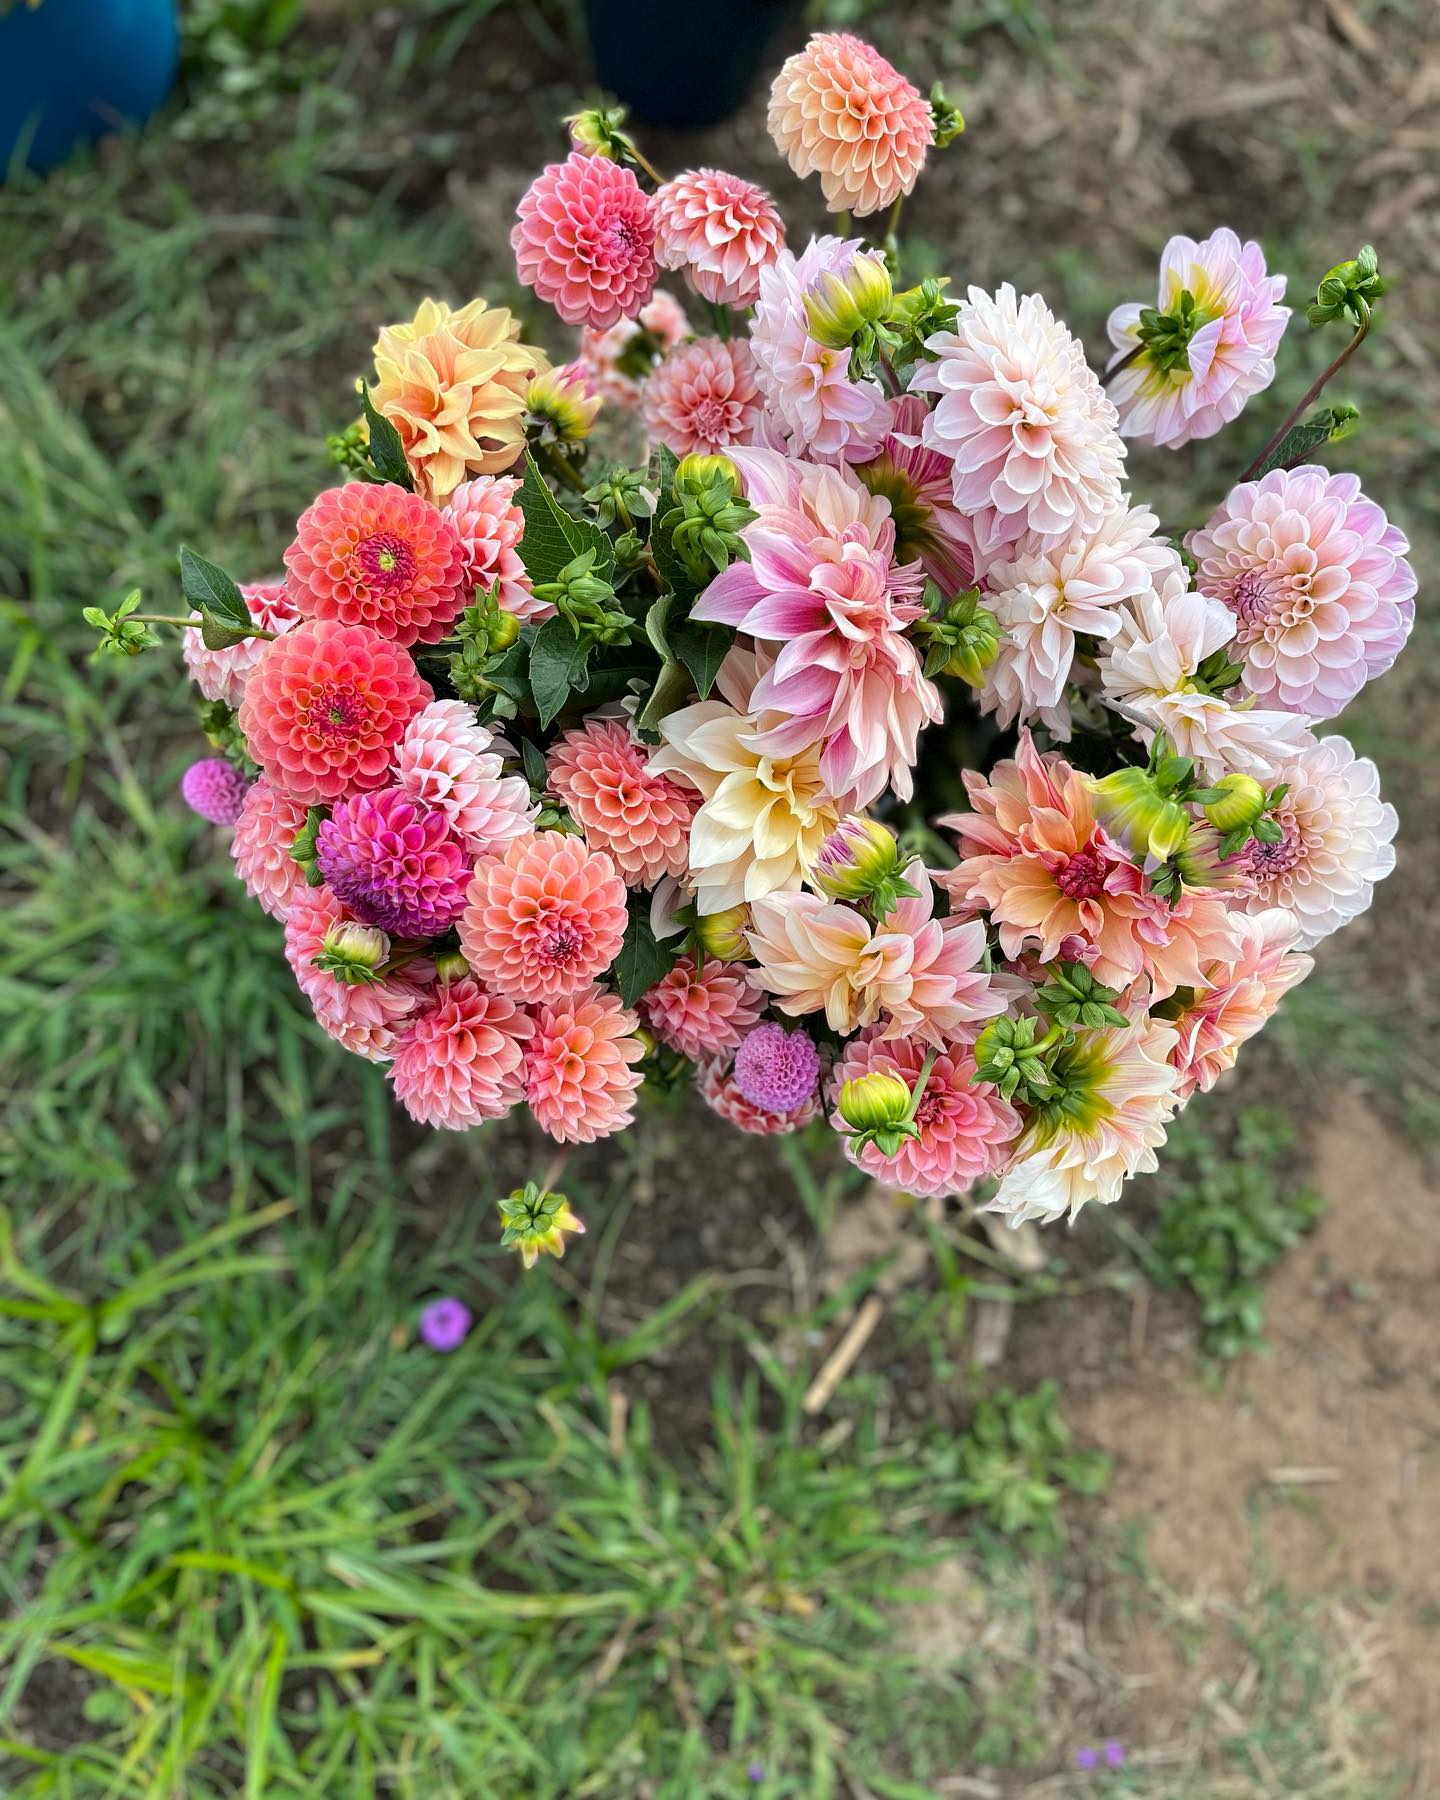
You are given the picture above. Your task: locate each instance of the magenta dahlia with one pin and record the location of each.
(395, 863)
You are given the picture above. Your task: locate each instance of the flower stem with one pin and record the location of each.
(185, 624)
(1312, 393)
(643, 162)
(917, 1093)
(560, 467)
(1125, 361)
(892, 224)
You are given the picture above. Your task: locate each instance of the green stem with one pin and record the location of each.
(643, 162)
(560, 467)
(1125, 361)
(190, 624)
(892, 242)
(917, 1093)
(1312, 393)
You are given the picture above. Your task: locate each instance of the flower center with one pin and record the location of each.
(1249, 598)
(388, 562)
(335, 712)
(1083, 876)
(558, 945)
(1267, 861)
(710, 419)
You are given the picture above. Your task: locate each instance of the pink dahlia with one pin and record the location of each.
(489, 525)
(215, 789)
(452, 765)
(580, 1079)
(221, 674)
(545, 919)
(720, 230)
(966, 1130)
(821, 584)
(585, 240)
(395, 863)
(1317, 579)
(264, 832)
(619, 358)
(363, 1016)
(1238, 998)
(917, 484)
(602, 775)
(703, 397)
(839, 110)
(777, 1069)
(701, 1011)
(1224, 324)
(722, 1094)
(324, 707)
(372, 553)
(1024, 420)
(459, 1059)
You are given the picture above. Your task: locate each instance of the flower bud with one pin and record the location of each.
(722, 934)
(840, 306)
(1131, 807)
(450, 965)
(976, 647)
(535, 1222)
(1242, 804)
(564, 401)
(353, 953)
(503, 630)
(696, 471)
(859, 856)
(596, 130)
(875, 1102)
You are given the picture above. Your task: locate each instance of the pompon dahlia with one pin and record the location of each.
(460, 1059)
(580, 1081)
(721, 231)
(839, 110)
(1238, 999)
(702, 1011)
(777, 1069)
(603, 776)
(260, 846)
(721, 1093)
(215, 789)
(448, 762)
(1317, 580)
(542, 921)
(917, 484)
(221, 674)
(1337, 840)
(324, 707)
(489, 526)
(619, 358)
(1205, 359)
(364, 1016)
(452, 382)
(1024, 420)
(372, 553)
(703, 397)
(394, 862)
(585, 240)
(965, 1130)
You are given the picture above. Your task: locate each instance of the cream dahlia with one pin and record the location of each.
(458, 1061)
(605, 778)
(721, 231)
(449, 763)
(260, 846)
(221, 674)
(543, 920)
(580, 1078)
(585, 240)
(704, 397)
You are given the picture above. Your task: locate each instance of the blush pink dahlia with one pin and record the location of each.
(1215, 346)
(580, 1079)
(394, 862)
(776, 1069)
(325, 706)
(1238, 999)
(221, 674)
(489, 526)
(704, 397)
(264, 833)
(618, 359)
(1317, 580)
(585, 240)
(965, 1130)
(545, 919)
(916, 482)
(721, 1093)
(372, 553)
(603, 776)
(363, 1016)
(459, 1059)
(839, 110)
(702, 1011)
(451, 764)
(215, 789)
(720, 230)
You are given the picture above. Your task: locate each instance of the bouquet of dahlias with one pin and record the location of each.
(569, 777)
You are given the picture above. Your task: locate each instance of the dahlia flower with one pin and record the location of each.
(451, 764)
(580, 1081)
(703, 397)
(606, 779)
(585, 240)
(394, 862)
(260, 846)
(372, 553)
(221, 674)
(619, 358)
(917, 484)
(721, 1093)
(965, 1129)
(459, 1059)
(215, 789)
(839, 110)
(566, 401)
(363, 1016)
(452, 382)
(325, 705)
(721, 231)
(776, 1069)
(489, 525)
(1316, 579)
(1238, 998)
(543, 920)
(1211, 355)
(1023, 419)
(1337, 840)
(820, 583)
(701, 1011)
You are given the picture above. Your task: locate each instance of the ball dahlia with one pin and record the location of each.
(542, 921)
(215, 789)
(776, 1069)
(394, 862)
(324, 707)
(221, 674)
(489, 526)
(720, 230)
(580, 1079)
(704, 397)
(585, 240)
(701, 1011)
(721, 1093)
(372, 553)
(839, 110)
(459, 1060)
(260, 846)
(451, 764)
(363, 1016)
(603, 776)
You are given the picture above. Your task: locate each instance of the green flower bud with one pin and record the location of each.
(353, 953)
(860, 860)
(696, 471)
(840, 307)
(503, 631)
(596, 131)
(1242, 803)
(722, 934)
(535, 1223)
(946, 119)
(875, 1102)
(450, 965)
(1131, 806)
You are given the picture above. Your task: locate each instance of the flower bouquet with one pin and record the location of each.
(570, 778)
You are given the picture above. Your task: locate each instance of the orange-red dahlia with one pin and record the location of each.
(603, 776)
(579, 1079)
(545, 919)
(458, 1060)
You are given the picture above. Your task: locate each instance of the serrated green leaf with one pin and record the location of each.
(702, 649)
(643, 958)
(387, 452)
(552, 539)
(657, 621)
(1308, 436)
(209, 589)
(558, 662)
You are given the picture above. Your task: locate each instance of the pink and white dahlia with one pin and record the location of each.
(490, 526)
(221, 674)
(585, 240)
(1238, 999)
(1215, 350)
(619, 358)
(364, 1016)
(721, 231)
(1337, 843)
(1317, 581)
(394, 862)
(839, 110)
(543, 920)
(702, 1011)
(821, 584)
(704, 397)
(966, 1129)
(260, 845)
(722, 1094)
(604, 776)
(459, 1060)
(917, 484)
(1023, 419)
(449, 763)
(580, 1078)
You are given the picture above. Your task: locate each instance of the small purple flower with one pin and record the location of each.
(1114, 1754)
(215, 789)
(755, 1773)
(444, 1324)
(776, 1069)
(1087, 1758)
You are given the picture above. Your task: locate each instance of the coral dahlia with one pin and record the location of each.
(542, 921)
(703, 397)
(1238, 998)
(701, 1011)
(459, 1060)
(394, 862)
(580, 1079)
(585, 240)
(720, 230)
(604, 777)
(260, 846)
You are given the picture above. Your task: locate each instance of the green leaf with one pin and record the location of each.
(557, 667)
(643, 959)
(1309, 435)
(210, 589)
(671, 691)
(387, 453)
(657, 622)
(535, 771)
(702, 649)
(552, 539)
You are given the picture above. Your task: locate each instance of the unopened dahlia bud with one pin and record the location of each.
(503, 630)
(974, 636)
(562, 404)
(535, 1223)
(597, 131)
(450, 965)
(1012, 1055)
(874, 1102)
(1131, 807)
(946, 118)
(1241, 804)
(353, 953)
(722, 934)
(841, 307)
(860, 860)
(701, 471)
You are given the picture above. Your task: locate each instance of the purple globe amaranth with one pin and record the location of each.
(215, 789)
(394, 863)
(445, 1323)
(775, 1069)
